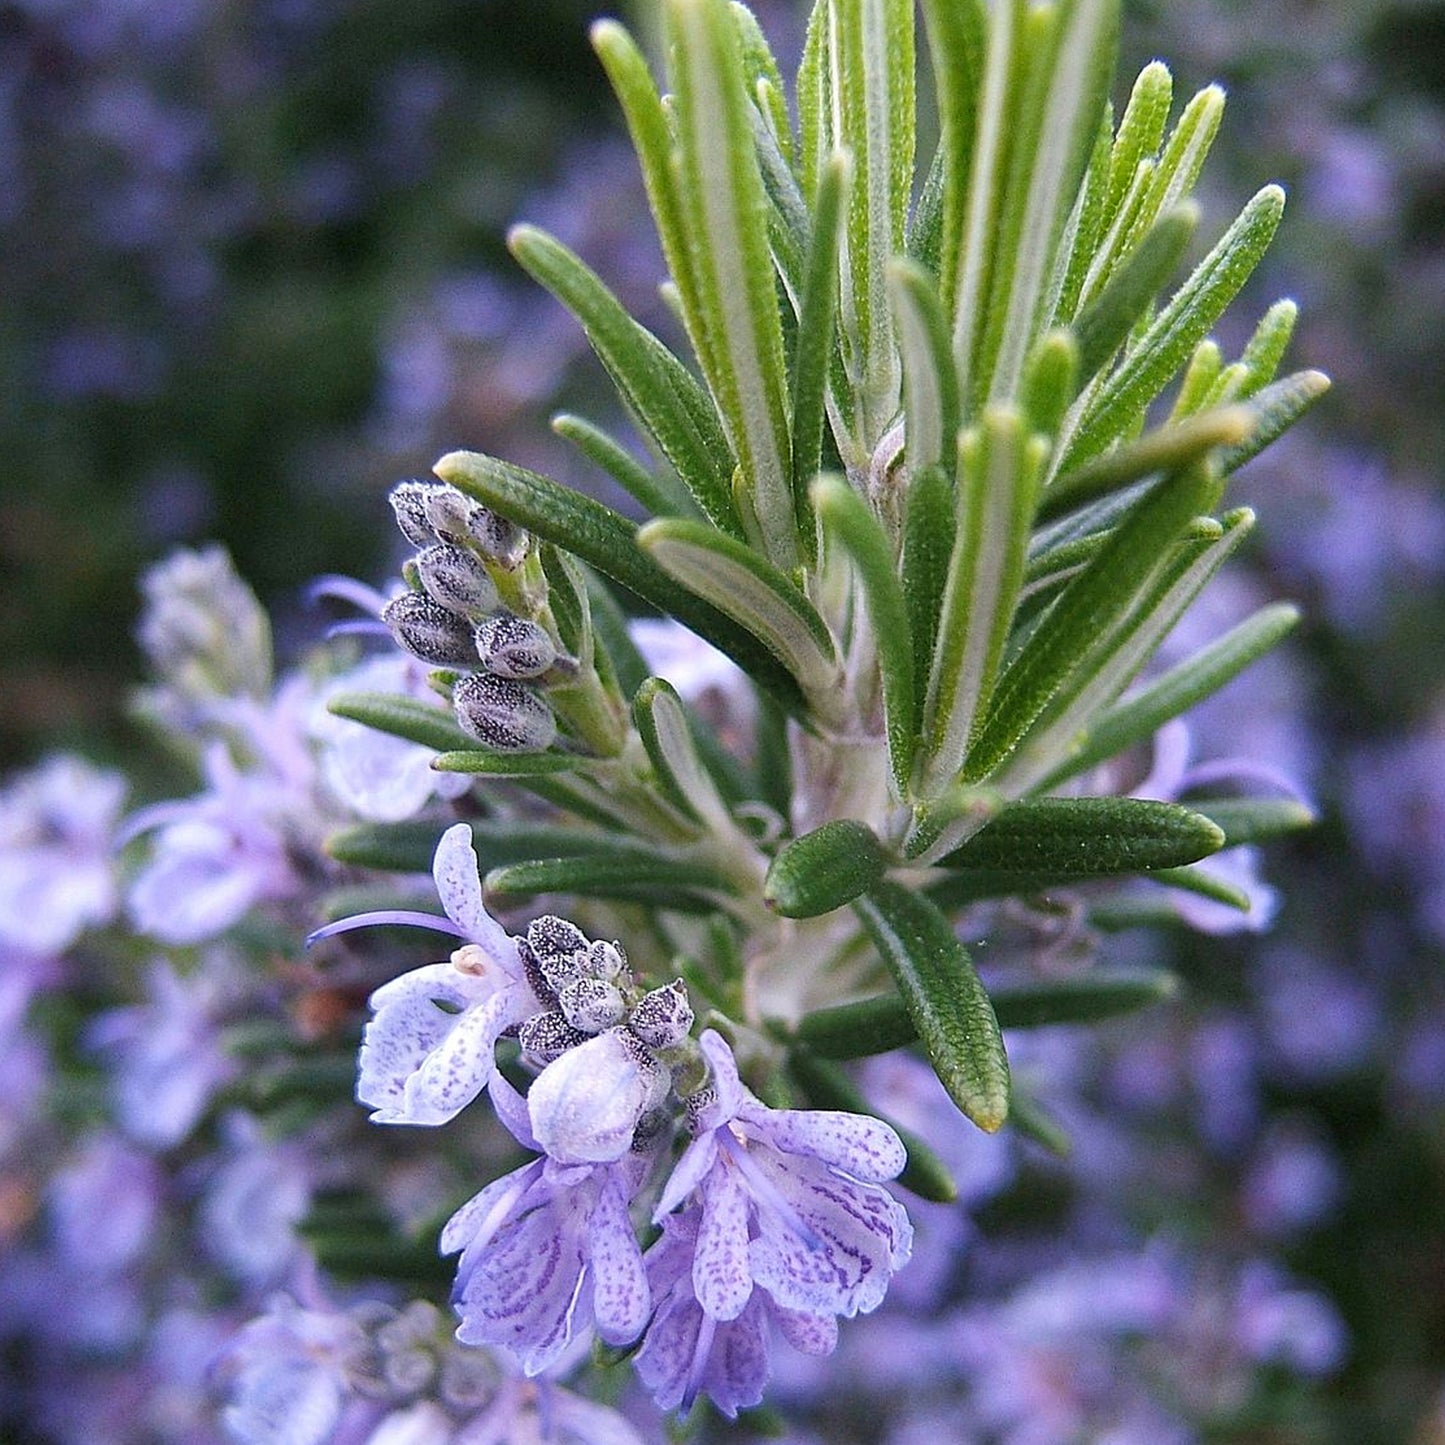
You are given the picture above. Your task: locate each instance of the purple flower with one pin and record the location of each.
(781, 1203)
(429, 1050)
(689, 1352)
(548, 1252)
(57, 876)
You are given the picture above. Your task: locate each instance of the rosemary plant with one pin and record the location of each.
(941, 466)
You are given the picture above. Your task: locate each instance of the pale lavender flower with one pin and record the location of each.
(785, 1226)
(290, 1375)
(165, 1055)
(378, 777)
(537, 1410)
(57, 875)
(548, 1253)
(428, 1052)
(214, 857)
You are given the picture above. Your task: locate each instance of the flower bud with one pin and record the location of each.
(547, 1036)
(408, 503)
(510, 646)
(502, 714)
(448, 513)
(606, 961)
(428, 631)
(585, 1106)
(499, 540)
(455, 578)
(663, 1018)
(591, 1005)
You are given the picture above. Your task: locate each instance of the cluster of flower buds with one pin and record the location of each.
(596, 1023)
(454, 617)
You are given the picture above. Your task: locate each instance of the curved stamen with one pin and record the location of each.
(345, 589)
(404, 917)
(766, 1192)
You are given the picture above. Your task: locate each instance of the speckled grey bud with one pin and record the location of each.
(532, 967)
(408, 502)
(449, 513)
(502, 714)
(663, 1018)
(511, 646)
(456, 578)
(550, 936)
(591, 1005)
(428, 631)
(547, 1036)
(501, 541)
(606, 961)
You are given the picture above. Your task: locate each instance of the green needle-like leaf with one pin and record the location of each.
(945, 1000)
(402, 717)
(740, 583)
(846, 519)
(506, 765)
(824, 869)
(1254, 820)
(1089, 608)
(406, 847)
(682, 777)
(999, 471)
(1163, 349)
(628, 872)
(878, 1025)
(735, 307)
(1088, 837)
(930, 383)
(1276, 408)
(1141, 129)
(658, 494)
(1104, 325)
(1205, 885)
(662, 393)
(929, 525)
(1184, 686)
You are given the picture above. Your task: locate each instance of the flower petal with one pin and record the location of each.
(725, 1081)
(459, 886)
(864, 1147)
(814, 1335)
(474, 1224)
(721, 1278)
(687, 1174)
(621, 1300)
(586, 1104)
(407, 1027)
(511, 1109)
(459, 1067)
(738, 1364)
(522, 1293)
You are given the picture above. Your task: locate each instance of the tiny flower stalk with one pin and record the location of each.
(943, 464)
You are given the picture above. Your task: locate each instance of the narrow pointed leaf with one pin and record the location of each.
(735, 307)
(824, 869)
(506, 765)
(406, 847)
(1193, 309)
(1167, 448)
(1119, 654)
(1184, 153)
(628, 873)
(659, 495)
(813, 353)
(662, 393)
(1048, 163)
(1089, 837)
(1141, 129)
(608, 542)
(956, 39)
(738, 582)
(1276, 408)
(945, 1000)
(1051, 382)
(1266, 348)
(610, 624)
(846, 518)
(930, 383)
(1091, 605)
(1104, 325)
(928, 532)
(402, 717)
(1204, 885)
(999, 471)
(666, 733)
(1184, 686)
